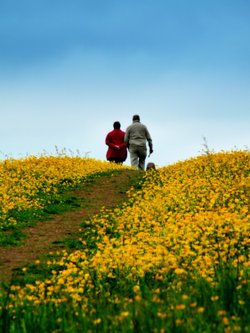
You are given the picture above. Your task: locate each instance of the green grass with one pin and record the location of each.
(13, 235)
(176, 304)
(172, 311)
(64, 200)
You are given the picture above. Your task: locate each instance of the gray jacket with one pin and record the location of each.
(137, 134)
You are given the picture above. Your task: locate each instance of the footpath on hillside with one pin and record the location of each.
(105, 191)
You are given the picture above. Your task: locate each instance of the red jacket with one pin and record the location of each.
(117, 150)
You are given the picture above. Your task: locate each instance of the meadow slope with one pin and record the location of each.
(174, 257)
(48, 235)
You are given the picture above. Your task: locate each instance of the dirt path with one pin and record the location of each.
(105, 191)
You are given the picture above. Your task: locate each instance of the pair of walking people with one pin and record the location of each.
(135, 139)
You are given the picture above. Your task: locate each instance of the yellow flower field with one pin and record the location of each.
(23, 182)
(189, 223)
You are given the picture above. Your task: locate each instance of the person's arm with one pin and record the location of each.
(110, 143)
(126, 138)
(122, 143)
(150, 142)
(107, 140)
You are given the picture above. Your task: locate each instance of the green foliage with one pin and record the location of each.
(156, 306)
(191, 302)
(63, 199)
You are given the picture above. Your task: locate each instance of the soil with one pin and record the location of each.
(105, 191)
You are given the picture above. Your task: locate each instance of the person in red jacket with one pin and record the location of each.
(117, 150)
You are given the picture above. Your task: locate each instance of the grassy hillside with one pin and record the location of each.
(34, 187)
(173, 258)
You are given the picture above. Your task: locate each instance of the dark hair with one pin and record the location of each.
(136, 117)
(117, 125)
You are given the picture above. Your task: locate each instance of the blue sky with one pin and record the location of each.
(69, 69)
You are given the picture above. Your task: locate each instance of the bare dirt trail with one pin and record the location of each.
(106, 191)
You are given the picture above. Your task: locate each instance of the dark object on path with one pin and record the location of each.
(151, 165)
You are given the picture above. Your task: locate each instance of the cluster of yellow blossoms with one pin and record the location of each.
(187, 219)
(23, 182)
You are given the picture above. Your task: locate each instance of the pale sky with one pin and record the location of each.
(69, 69)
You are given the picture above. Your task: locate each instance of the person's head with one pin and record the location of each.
(117, 125)
(136, 117)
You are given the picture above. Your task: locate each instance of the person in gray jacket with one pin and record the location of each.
(136, 137)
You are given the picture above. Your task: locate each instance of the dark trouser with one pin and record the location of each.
(116, 160)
